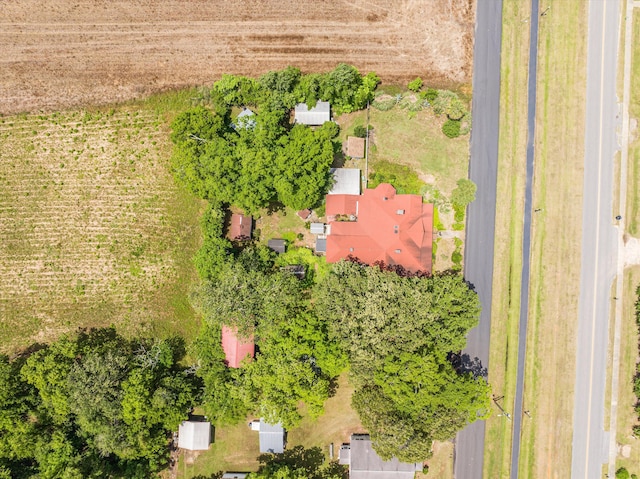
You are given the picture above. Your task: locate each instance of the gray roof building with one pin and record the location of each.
(315, 116)
(364, 463)
(194, 435)
(271, 436)
(235, 475)
(321, 245)
(278, 245)
(346, 181)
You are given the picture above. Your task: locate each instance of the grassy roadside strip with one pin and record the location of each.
(633, 199)
(556, 231)
(508, 236)
(627, 416)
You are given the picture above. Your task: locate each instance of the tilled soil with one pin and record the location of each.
(60, 53)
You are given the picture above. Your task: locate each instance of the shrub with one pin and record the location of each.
(415, 85)
(451, 128)
(456, 257)
(431, 94)
(622, 473)
(360, 131)
(403, 178)
(464, 193)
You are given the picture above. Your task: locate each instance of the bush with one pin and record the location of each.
(415, 85)
(456, 257)
(431, 94)
(403, 178)
(360, 131)
(622, 473)
(458, 213)
(451, 128)
(464, 194)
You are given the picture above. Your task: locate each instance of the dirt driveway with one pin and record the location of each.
(59, 53)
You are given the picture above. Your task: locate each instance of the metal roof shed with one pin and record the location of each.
(366, 464)
(315, 116)
(321, 245)
(194, 435)
(271, 437)
(317, 228)
(278, 245)
(346, 181)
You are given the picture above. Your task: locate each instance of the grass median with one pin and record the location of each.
(556, 237)
(508, 237)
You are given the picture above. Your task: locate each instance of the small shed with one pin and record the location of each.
(245, 119)
(304, 214)
(235, 475)
(278, 245)
(355, 147)
(194, 435)
(321, 245)
(236, 349)
(298, 270)
(346, 181)
(315, 116)
(241, 226)
(317, 228)
(271, 437)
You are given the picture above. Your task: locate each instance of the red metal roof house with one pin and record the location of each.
(236, 349)
(380, 225)
(241, 226)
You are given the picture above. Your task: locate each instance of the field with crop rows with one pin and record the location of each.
(94, 231)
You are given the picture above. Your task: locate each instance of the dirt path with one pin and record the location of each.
(62, 54)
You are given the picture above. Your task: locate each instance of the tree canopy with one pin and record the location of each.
(397, 332)
(96, 405)
(272, 161)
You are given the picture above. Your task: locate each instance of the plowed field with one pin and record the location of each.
(58, 53)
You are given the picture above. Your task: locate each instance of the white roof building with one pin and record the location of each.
(346, 181)
(315, 116)
(194, 435)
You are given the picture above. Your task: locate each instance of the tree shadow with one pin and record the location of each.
(463, 363)
(310, 460)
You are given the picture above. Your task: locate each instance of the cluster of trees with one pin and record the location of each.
(397, 332)
(295, 360)
(252, 165)
(96, 405)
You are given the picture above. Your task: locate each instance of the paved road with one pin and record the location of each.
(526, 238)
(599, 242)
(469, 450)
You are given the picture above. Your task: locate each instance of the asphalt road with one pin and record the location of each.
(526, 238)
(599, 242)
(469, 449)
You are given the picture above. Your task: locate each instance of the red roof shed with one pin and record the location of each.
(241, 226)
(236, 349)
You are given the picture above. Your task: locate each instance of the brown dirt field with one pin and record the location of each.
(59, 54)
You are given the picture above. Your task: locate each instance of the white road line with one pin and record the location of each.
(622, 201)
(597, 246)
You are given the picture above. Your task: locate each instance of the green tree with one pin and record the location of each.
(376, 313)
(464, 193)
(298, 463)
(302, 166)
(415, 85)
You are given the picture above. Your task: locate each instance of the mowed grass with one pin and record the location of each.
(633, 177)
(95, 232)
(505, 308)
(627, 416)
(236, 448)
(556, 238)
